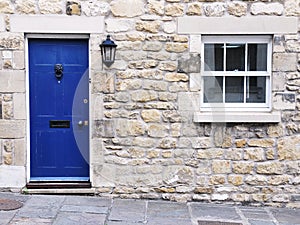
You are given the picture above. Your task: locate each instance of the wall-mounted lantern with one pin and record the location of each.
(108, 51)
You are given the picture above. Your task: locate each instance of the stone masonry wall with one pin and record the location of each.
(144, 142)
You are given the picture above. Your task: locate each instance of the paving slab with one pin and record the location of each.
(128, 210)
(261, 222)
(84, 209)
(286, 216)
(87, 201)
(6, 216)
(214, 212)
(74, 218)
(160, 209)
(31, 221)
(169, 221)
(255, 213)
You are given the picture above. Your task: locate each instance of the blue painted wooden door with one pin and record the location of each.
(59, 109)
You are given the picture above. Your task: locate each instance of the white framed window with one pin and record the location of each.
(236, 73)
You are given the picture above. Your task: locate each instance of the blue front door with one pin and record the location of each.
(59, 109)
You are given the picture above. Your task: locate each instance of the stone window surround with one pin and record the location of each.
(260, 25)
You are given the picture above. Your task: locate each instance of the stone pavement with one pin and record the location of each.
(67, 210)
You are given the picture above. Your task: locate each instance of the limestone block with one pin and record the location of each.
(215, 9)
(131, 56)
(7, 110)
(179, 87)
(156, 7)
(255, 154)
(12, 81)
(175, 77)
(284, 101)
(266, 9)
(11, 41)
(292, 7)
(135, 36)
(18, 60)
(19, 152)
(104, 128)
(289, 148)
(237, 8)
(261, 143)
(168, 143)
(6, 7)
(12, 128)
(148, 26)
(242, 167)
(166, 96)
(278, 82)
(293, 46)
(168, 66)
(169, 27)
(180, 38)
(143, 96)
(189, 63)
(278, 180)
(256, 180)
(153, 154)
(219, 197)
(188, 101)
(284, 62)
(119, 25)
(124, 85)
(172, 116)
(106, 85)
(217, 179)
(50, 6)
(95, 8)
(195, 44)
(150, 115)
(194, 9)
(175, 9)
(157, 130)
(275, 131)
(127, 8)
(236, 180)
(153, 46)
(240, 143)
(26, 6)
(233, 154)
(221, 166)
(270, 168)
(212, 153)
(144, 142)
(129, 45)
(201, 142)
(126, 128)
(176, 47)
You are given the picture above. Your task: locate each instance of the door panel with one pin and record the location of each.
(56, 108)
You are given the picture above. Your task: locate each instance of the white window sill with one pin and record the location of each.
(237, 117)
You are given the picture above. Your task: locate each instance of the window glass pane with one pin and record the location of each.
(213, 57)
(213, 89)
(257, 57)
(234, 89)
(235, 57)
(256, 89)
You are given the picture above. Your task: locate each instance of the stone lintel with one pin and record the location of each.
(232, 25)
(56, 24)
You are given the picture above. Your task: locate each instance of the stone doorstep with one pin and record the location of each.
(79, 191)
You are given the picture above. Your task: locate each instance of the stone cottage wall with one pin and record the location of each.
(144, 142)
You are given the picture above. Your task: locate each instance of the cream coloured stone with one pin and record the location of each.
(143, 96)
(176, 47)
(157, 130)
(6, 7)
(270, 168)
(150, 115)
(261, 142)
(255, 154)
(175, 77)
(167, 143)
(124, 85)
(242, 167)
(215, 9)
(217, 179)
(12, 128)
(194, 9)
(50, 6)
(175, 9)
(284, 62)
(237, 8)
(12, 81)
(289, 148)
(26, 6)
(144, 142)
(155, 85)
(293, 46)
(127, 8)
(95, 8)
(129, 128)
(119, 25)
(266, 9)
(292, 7)
(256, 180)
(156, 7)
(169, 27)
(129, 45)
(236, 180)
(201, 142)
(168, 66)
(148, 26)
(153, 46)
(221, 166)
